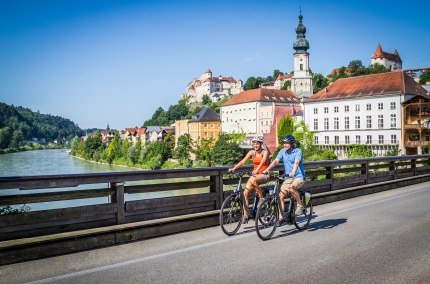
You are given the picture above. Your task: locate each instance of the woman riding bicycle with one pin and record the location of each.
(260, 158)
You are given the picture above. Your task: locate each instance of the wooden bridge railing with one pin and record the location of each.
(119, 190)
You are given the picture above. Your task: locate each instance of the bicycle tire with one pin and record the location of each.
(266, 218)
(302, 221)
(230, 216)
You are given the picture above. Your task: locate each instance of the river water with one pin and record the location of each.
(52, 162)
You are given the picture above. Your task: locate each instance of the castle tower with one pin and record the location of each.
(301, 83)
(206, 75)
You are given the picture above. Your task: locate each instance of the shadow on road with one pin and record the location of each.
(326, 224)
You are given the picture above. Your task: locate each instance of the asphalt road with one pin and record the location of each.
(379, 238)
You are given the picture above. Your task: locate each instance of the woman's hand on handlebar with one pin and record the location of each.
(231, 170)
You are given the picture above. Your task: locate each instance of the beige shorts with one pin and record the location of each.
(259, 178)
(297, 183)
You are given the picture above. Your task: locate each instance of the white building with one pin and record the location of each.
(391, 61)
(360, 110)
(215, 87)
(257, 111)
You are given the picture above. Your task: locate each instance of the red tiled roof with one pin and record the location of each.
(369, 85)
(263, 95)
(284, 77)
(379, 53)
(208, 71)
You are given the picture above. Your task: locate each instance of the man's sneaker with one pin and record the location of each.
(299, 210)
(281, 223)
(245, 219)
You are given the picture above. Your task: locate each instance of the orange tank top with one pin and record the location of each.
(257, 161)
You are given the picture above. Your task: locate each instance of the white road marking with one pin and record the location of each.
(146, 258)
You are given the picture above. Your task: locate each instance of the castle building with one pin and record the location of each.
(391, 61)
(215, 87)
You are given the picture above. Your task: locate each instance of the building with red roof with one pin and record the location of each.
(361, 110)
(391, 61)
(257, 112)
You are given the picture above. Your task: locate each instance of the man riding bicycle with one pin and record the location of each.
(293, 166)
(260, 158)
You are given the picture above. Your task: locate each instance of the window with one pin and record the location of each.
(357, 122)
(380, 106)
(427, 138)
(267, 122)
(346, 108)
(301, 66)
(393, 122)
(380, 121)
(336, 140)
(205, 125)
(347, 139)
(206, 134)
(326, 123)
(262, 123)
(315, 110)
(336, 123)
(316, 140)
(336, 109)
(346, 123)
(326, 139)
(325, 109)
(393, 139)
(369, 139)
(315, 123)
(369, 121)
(368, 107)
(381, 139)
(357, 107)
(393, 105)
(357, 139)
(212, 125)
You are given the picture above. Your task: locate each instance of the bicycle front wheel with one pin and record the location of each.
(303, 220)
(230, 216)
(266, 218)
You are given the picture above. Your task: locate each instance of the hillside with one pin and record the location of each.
(19, 124)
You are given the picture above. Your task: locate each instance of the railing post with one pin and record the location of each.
(118, 198)
(414, 166)
(392, 167)
(330, 176)
(217, 187)
(365, 171)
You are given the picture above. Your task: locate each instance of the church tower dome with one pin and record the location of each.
(301, 44)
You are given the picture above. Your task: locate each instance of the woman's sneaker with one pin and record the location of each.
(245, 219)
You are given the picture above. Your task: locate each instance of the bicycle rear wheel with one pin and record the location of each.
(303, 220)
(230, 216)
(266, 218)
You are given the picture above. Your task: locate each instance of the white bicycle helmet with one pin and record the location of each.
(257, 139)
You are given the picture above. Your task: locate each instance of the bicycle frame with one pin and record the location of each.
(239, 192)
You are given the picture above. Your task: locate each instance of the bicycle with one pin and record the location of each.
(267, 216)
(231, 213)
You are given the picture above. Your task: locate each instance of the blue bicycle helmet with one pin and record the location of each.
(289, 139)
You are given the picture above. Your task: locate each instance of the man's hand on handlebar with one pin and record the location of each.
(231, 170)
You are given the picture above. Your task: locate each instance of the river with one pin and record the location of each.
(51, 162)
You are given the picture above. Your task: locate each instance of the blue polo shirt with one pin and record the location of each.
(288, 159)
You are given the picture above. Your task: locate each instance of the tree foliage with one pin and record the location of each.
(183, 150)
(285, 127)
(226, 151)
(319, 82)
(19, 124)
(425, 77)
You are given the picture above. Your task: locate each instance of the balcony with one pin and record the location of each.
(414, 144)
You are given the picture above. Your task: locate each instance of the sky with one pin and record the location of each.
(116, 62)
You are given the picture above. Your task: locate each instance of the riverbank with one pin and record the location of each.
(103, 163)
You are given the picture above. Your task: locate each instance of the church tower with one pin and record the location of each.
(301, 83)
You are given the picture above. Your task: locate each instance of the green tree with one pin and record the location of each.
(17, 139)
(319, 82)
(203, 150)
(183, 149)
(92, 144)
(226, 151)
(285, 127)
(133, 153)
(287, 85)
(356, 68)
(206, 100)
(425, 77)
(276, 72)
(5, 137)
(359, 151)
(253, 83)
